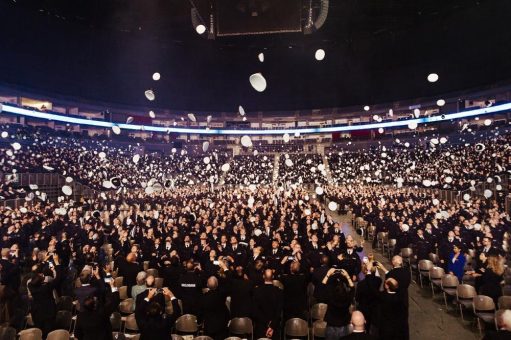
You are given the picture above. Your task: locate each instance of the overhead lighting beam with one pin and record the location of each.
(345, 128)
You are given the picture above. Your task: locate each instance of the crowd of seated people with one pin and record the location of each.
(155, 255)
(470, 238)
(436, 164)
(140, 254)
(105, 166)
(250, 169)
(302, 168)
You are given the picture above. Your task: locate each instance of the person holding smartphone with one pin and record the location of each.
(340, 290)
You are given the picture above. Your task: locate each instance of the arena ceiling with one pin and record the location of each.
(376, 51)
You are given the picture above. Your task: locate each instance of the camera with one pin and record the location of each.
(375, 263)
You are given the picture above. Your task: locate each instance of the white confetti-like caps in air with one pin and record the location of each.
(433, 77)
(246, 141)
(66, 189)
(149, 94)
(320, 54)
(258, 82)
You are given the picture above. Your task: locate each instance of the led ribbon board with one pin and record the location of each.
(90, 122)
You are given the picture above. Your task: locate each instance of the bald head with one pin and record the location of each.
(358, 321)
(504, 319)
(212, 283)
(268, 275)
(131, 257)
(397, 261)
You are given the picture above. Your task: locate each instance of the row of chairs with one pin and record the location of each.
(463, 294)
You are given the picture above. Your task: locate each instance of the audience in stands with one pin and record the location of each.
(262, 246)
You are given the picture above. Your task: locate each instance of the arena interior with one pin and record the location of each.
(255, 169)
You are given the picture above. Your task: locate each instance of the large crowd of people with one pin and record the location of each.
(175, 243)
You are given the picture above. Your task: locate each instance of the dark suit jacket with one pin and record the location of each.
(214, 312)
(95, 325)
(295, 295)
(156, 328)
(267, 307)
(241, 297)
(129, 271)
(10, 275)
(81, 293)
(43, 308)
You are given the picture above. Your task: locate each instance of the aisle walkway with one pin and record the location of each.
(427, 317)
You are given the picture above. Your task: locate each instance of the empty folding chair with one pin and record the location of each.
(187, 324)
(484, 309)
(59, 334)
(233, 338)
(241, 327)
(435, 278)
(118, 281)
(130, 325)
(31, 334)
(370, 232)
(407, 254)
(424, 268)
(464, 297)
(504, 302)
(380, 238)
(434, 258)
(318, 311)
(126, 306)
(296, 328)
(318, 329)
(123, 292)
(449, 284)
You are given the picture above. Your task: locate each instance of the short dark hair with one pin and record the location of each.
(154, 309)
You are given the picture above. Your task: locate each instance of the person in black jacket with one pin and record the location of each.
(43, 308)
(365, 295)
(340, 296)
(295, 293)
(129, 269)
(93, 322)
(241, 289)
(393, 313)
(267, 308)
(214, 311)
(152, 321)
(190, 289)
